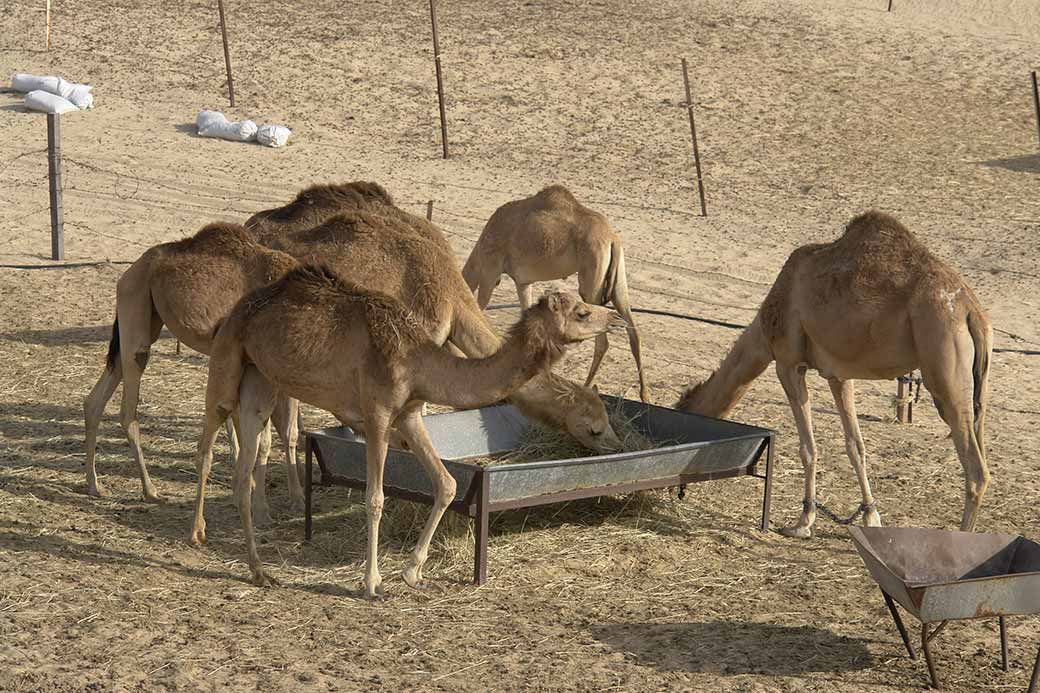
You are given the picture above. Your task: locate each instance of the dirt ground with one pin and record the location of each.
(809, 111)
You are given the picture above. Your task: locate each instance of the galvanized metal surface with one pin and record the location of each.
(941, 575)
(694, 445)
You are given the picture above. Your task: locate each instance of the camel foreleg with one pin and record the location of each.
(411, 426)
(845, 399)
(792, 378)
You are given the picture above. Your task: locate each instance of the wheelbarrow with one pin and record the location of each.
(941, 576)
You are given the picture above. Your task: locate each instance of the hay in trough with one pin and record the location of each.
(540, 442)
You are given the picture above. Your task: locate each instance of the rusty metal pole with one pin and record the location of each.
(693, 136)
(429, 211)
(440, 79)
(1036, 103)
(904, 394)
(227, 53)
(54, 177)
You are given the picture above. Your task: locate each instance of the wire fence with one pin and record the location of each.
(88, 179)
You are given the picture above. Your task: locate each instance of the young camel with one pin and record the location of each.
(363, 357)
(552, 236)
(874, 304)
(188, 285)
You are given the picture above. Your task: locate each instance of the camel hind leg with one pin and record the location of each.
(635, 342)
(93, 410)
(256, 403)
(286, 420)
(139, 327)
(947, 372)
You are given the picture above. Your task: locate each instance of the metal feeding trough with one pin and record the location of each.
(941, 576)
(694, 448)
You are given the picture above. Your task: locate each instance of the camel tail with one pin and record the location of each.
(610, 278)
(982, 337)
(113, 347)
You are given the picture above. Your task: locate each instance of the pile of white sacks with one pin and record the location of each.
(216, 124)
(52, 94)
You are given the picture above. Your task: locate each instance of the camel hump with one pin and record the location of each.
(878, 229)
(556, 196)
(355, 193)
(219, 238)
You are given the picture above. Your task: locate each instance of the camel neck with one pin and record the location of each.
(747, 358)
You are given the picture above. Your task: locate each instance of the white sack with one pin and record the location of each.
(215, 124)
(273, 135)
(24, 82)
(78, 94)
(40, 100)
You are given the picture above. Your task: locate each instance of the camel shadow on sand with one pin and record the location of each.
(736, 647)
(1027, 163)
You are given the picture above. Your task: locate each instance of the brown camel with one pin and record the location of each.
(421, 271)
(363, 357)
(188, 285)
(552, 236)
(379, 254)
(314, 205)
(873, 305)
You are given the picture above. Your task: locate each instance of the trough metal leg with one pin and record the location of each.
(1036, 675)
(925, 638)
(308, 483)
(480, 531)
(899, 624)
(1003, 644)
(769, 485)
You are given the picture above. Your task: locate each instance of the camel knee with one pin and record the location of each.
(374, 502)
(446, 491)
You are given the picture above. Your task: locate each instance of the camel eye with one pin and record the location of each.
(583, 314)
(594, 433)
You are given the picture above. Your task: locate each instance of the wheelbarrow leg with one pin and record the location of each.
(899, 624)
(1003, 644)
(925, 637)
(1036, 674)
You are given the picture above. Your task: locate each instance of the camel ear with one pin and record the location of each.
(553, 301)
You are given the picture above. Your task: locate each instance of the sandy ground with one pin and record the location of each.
(809, 111)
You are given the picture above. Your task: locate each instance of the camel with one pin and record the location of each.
(364, 357)
(552, 236)
(873, 304)
(418, 270)
(189, 286)
(375, 252)
(314, 205)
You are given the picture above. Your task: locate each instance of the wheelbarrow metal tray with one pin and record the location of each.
(939, 575)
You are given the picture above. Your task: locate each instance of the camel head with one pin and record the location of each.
(588, 423)
(569, 320)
